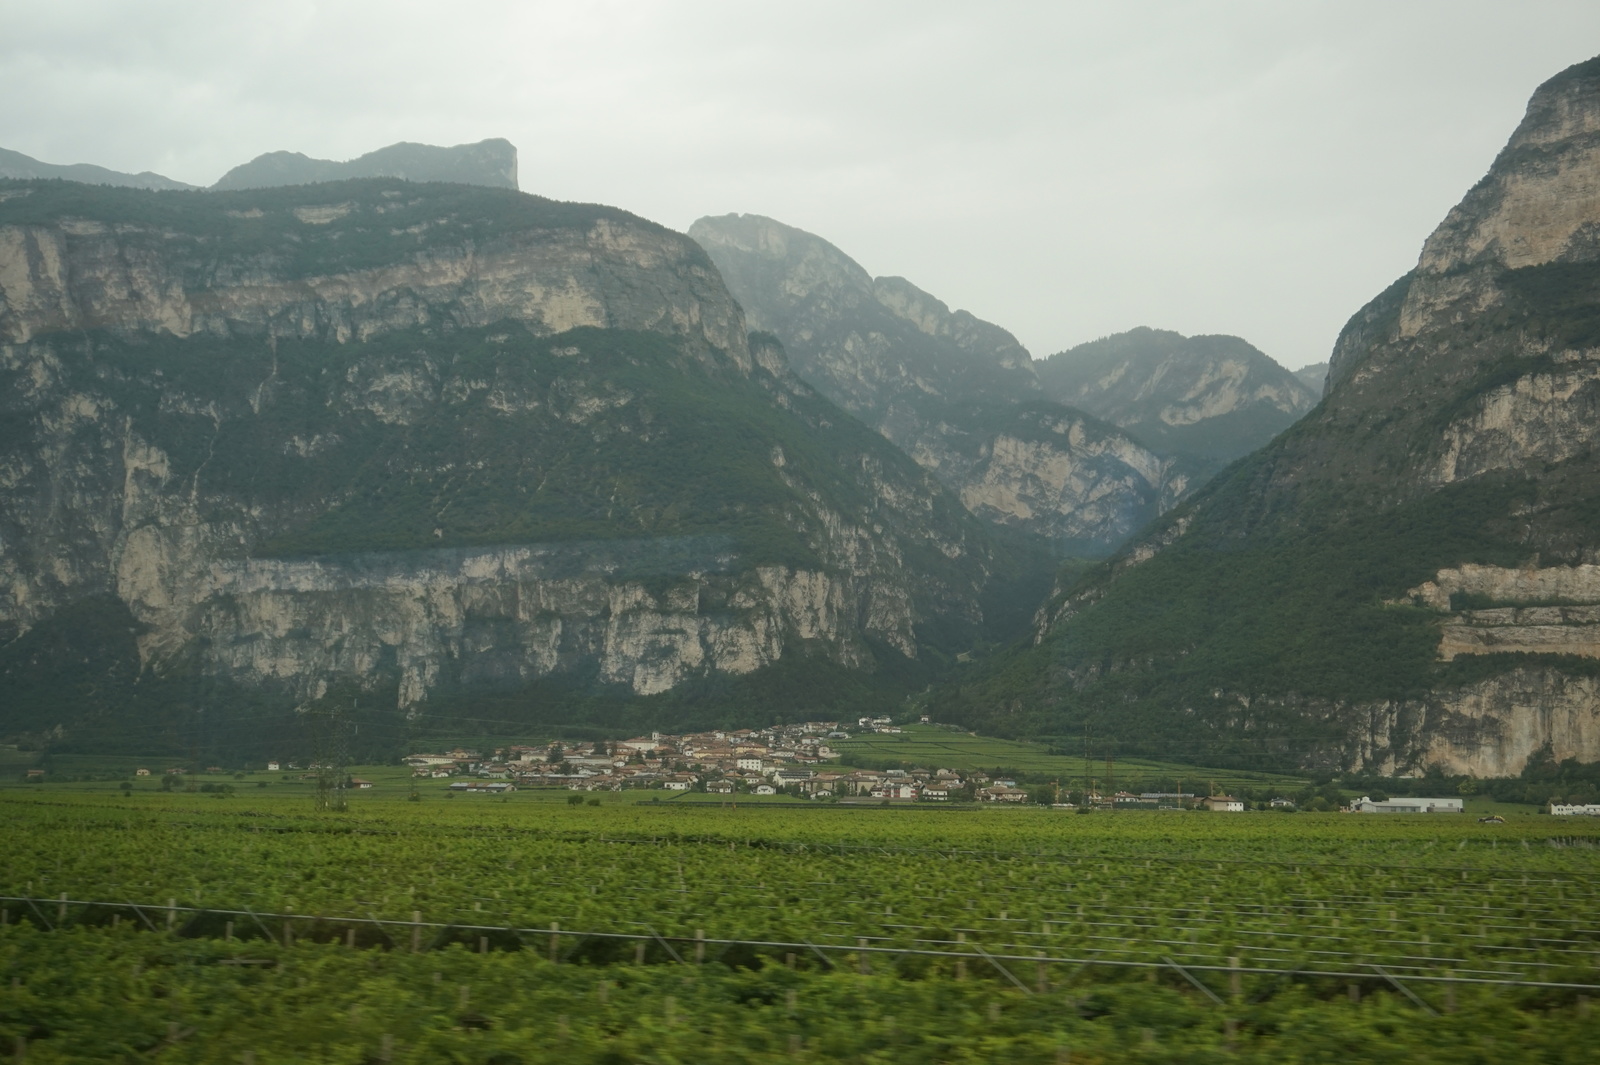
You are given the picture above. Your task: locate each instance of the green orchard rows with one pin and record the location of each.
(1325, 892)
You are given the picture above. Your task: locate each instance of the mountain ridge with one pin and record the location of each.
(1363, 592)
(419, 445)
(960, 395)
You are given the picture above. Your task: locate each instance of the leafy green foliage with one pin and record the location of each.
(1297, 609)
(1416, 895)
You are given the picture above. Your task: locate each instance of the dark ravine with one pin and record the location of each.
(402, 443)
(1407, 577)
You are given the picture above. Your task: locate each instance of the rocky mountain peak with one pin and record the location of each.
(1407, 578)
(1540, 201)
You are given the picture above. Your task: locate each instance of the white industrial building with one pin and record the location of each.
(1364, 805)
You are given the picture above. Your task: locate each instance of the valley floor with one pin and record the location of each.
(207, 927)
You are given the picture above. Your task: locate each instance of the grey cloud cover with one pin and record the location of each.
(1067, 170)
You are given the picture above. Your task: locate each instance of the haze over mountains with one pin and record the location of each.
(456, 453)
(492, 163)
(1025, 445)
(19, 167)
(1206, 397)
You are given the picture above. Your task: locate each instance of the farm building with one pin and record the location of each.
(495, 787)
(1365, 805)
(1565, 810)
(1223, 804)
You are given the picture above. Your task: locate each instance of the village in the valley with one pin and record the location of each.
(797, 760)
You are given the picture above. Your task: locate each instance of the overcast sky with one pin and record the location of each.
(1067, 170)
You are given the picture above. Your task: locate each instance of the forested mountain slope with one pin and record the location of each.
(956, 393)
(401, 446)
(1409, 576)
(1208, 398)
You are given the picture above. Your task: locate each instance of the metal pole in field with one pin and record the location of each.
(699, 946)
(555, 942)
(416, 931)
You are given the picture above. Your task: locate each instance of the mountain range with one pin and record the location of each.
(1060, 452)
(393, 437)
(1409, 577)
(492, 163)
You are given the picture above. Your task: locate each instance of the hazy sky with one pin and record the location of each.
(1067, 170)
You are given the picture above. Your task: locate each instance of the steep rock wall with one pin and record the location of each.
(200, 387)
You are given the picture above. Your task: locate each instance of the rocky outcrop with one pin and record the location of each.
(1210, 397)
(1406, 577)
(233, 265)
(956, 393)
(491, 163)
(1491, 728)
(1537, 418)
(441, 441)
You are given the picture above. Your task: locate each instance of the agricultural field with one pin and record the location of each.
(215, 927)
(938, 745)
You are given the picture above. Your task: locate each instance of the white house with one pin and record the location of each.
(766, 789)
(1224, 804)
(272, 767)
(1364, 805)
(1589, 810)
(749, 764)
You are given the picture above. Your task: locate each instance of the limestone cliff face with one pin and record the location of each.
(1490, 728)
(447, 440)
(1480, 371)
(1211, 397)
(1406, 577)
(227, 266)
(957, 394)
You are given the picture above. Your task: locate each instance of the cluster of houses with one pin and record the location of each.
(797, 760)
(792, 759)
